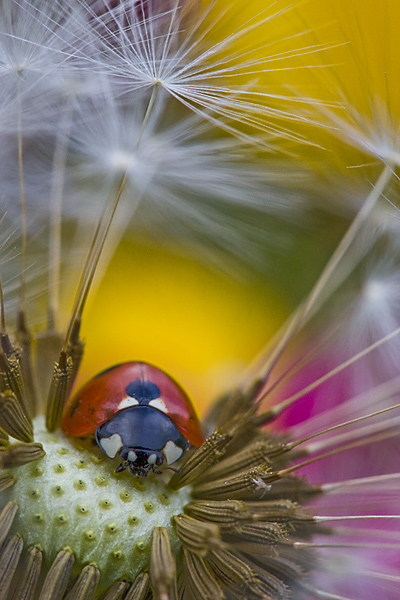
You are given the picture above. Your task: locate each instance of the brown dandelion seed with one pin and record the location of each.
(162, 566)
(6, 519)
(140, 588)
(30, 572)
(6, 481)
(117, 591)
(85, 585)
(196, 536)
(13, 419)
(57, 578)
(20, 454)
(9, 556)
(4, 441)
(197, 579)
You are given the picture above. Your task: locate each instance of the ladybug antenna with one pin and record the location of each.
(121, 467)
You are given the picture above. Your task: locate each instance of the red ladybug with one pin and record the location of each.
(137, 411)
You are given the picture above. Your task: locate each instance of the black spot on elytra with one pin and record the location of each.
(143, 391)
(75, 407)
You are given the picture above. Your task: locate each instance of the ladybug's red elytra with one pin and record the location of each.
(137, 411)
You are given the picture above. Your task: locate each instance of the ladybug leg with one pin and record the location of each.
(172, 469)
(122, 467)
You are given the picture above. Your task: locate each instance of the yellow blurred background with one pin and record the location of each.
(196, 323)
(337, 54)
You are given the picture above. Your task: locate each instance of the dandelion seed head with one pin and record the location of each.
(184, 129)
(122, 161)
(35, 37)
(73, 498)
(375, 291)
(364, 111)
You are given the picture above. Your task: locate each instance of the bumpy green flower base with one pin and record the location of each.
(72, 498)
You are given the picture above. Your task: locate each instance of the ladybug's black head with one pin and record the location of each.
(140, 461)
(143, 437)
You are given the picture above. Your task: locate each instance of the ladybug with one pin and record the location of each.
(137, 411)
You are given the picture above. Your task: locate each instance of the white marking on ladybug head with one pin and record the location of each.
(152, 459)
(132, 456)
(160, 404)
(111, 444)
(126, 402)
(172, 452)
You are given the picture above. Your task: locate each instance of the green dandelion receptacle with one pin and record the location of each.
(74, 513)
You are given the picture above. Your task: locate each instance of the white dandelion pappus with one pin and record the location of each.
(38, 38)
(182, 182)
(72, 99)
(149, 44)
(366, 116)
(375, 135)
